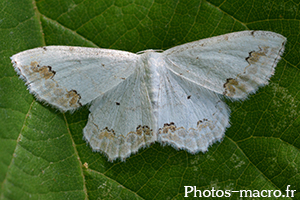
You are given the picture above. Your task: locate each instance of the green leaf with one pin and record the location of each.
(43, 155)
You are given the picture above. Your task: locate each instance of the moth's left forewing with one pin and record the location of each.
(234, 64)
(69, 77)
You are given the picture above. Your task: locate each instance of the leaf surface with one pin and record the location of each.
(43, 155)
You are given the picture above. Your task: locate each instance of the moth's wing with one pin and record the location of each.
(68, 77)
(190, 117)
(121, 121)
(234, 64)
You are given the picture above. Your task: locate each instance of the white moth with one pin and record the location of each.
(173, 97)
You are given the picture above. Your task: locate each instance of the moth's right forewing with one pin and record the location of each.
(234, 64)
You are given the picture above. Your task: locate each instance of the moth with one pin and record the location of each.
(173, 97)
